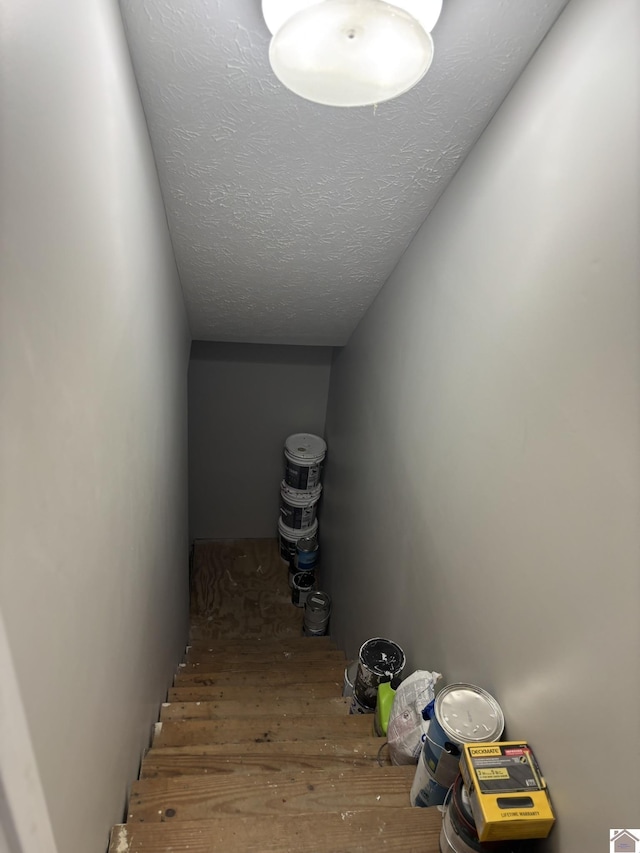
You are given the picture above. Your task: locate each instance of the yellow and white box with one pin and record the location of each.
(508, 795)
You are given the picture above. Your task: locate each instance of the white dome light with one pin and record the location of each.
(349, 53)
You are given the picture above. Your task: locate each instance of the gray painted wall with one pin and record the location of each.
(94, 352)
(244, 400)
(482, 494)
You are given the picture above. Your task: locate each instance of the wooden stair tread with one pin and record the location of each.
(235, 693)
(265, 706)
(263, 642)
(291, 674)
(270, 757)
(399, 830)
(223, 661)
(266, 728)
(208, 797)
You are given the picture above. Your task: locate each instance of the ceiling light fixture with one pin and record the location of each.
(350, 53)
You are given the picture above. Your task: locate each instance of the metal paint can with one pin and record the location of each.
(317, 610)
(458, 833)
(303, 583)
(307, 553)
(379, 660)
(462, 713)
(350, 673)
(358, 708)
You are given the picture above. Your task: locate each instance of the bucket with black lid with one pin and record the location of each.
(304, 454)
(379, 660)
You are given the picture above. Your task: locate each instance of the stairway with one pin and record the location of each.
(255, 749)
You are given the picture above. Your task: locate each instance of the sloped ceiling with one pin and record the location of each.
(286, 216)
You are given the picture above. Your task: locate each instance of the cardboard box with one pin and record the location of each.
(508, 794)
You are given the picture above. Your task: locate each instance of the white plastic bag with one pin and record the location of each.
(406, 725)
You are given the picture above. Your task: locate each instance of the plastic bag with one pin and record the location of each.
(406, 724)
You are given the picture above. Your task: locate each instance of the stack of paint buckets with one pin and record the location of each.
(300, 493)
(460, 713)
(379, 660)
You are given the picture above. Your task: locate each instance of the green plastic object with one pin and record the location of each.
(383, 707)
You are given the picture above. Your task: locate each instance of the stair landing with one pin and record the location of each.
(255, 749)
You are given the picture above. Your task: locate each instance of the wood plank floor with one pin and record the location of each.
(255, 749)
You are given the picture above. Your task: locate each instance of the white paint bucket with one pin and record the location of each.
(304, 454)
(298, 508)
(317, 610)
(288, 539)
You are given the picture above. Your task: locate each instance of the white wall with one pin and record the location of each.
(94, 353)
(482, 494)
(244, 400)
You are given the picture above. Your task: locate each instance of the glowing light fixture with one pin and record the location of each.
(349, 53)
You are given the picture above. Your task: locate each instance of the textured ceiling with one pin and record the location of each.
(287, 217)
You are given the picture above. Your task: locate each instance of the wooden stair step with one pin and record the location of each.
(271, 643)
(215, 631)
(221, 662)
(393, 830)
(269, 757)
(260, 729)
(233, 693)
(280, 676)
(208, 797)
(266, 706)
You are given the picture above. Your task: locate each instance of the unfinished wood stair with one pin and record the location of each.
(255, 749)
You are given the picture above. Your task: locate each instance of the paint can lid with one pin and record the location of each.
(382, 656)
(305, 446)
(307, 543)
(294, 535)
(468, 714)
(318, 601)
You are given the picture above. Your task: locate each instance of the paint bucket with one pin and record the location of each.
(298, 509)
(378, 660)
(350, 673)
(303, 455)
(288, 539)
(307, 553)
(461, 713)
(425, 790)
(358, 708)
(317, 610)
(303, 583)
(458, 833)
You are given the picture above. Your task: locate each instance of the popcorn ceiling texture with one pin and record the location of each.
(286, 216)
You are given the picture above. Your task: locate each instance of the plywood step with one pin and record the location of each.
(249, 629)
(233, 693)
(281, 676)
(265, 706)
(221, 662)
(259, 730)
(209, 797)
(269, 757)
(393, 830)
(252, 644)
